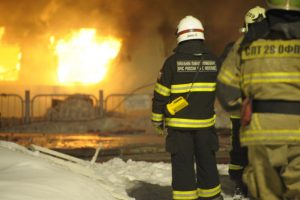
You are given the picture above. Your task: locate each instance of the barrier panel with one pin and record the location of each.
(11, 110)
(70, 107)
(64, 107)
(128, 104)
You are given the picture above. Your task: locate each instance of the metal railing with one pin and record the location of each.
(41, 103)
(27, 110)
(11, 109)
(128, 104)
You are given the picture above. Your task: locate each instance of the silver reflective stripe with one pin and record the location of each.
(157, 117)
(196, 87)
(190, 123)
(272, 77)
(185, 195)
(270, 135)
(227, 77)
(209, 192)
(162, 90)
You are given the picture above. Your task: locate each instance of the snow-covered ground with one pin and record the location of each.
(31, 175)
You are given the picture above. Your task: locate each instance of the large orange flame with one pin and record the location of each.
(10, 57)
(85, 58)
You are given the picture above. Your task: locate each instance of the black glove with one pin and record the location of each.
(159, 127)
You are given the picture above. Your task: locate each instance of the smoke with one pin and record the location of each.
(31, 19)
(30, 23)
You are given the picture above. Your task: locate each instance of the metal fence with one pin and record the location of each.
(11, 109)
(42, 104)
(45, 107)
(15, 110)
(128, 104)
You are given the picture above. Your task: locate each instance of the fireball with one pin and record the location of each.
(10, 60)
(85, 58)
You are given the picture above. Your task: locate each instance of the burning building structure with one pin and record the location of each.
(63, 47)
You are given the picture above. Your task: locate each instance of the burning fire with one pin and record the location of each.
(10, 57)
(85, 58)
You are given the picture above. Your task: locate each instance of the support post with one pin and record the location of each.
(101, 103)
(27, 107)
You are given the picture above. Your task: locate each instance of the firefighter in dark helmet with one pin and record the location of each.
(183, 102)
(265, 71)
(238, 154)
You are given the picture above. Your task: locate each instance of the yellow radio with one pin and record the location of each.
(181, 102)
(177, 105)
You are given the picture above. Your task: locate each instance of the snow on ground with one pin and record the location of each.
(30, 175)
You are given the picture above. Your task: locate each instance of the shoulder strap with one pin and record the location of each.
(195, 76)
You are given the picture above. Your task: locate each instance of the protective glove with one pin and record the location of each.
(159, 127)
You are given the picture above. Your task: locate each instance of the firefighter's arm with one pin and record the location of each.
(229, 97)
(161, 96)
(228, 81)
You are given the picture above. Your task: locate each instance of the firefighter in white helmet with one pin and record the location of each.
(189, 28)
(238, 154)
(183, 102)
(265, 71)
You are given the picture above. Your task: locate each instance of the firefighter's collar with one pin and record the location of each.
(195, 47)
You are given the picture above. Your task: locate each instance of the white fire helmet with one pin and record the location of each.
(255, 14)
(284, 4)
(189, 28)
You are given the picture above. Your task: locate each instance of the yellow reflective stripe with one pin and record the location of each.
(271, 74)
(235, 117)
(197, 87)
(268, 135)
(256, 122)
(272, 77)
(185, 194)
(273, 131)
(267, 138)
(227, 77)
(235, 167)
(190, 123)
(209, 192)
(271, 49)
(157, 117)
(162, 90)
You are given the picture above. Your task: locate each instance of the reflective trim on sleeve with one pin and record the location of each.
(184, 195)
(157, 117)
(272, 77)
(197, 87)
(235, 167)
(190, 123)
(162, 90)
(209, 192)
(227, 77)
